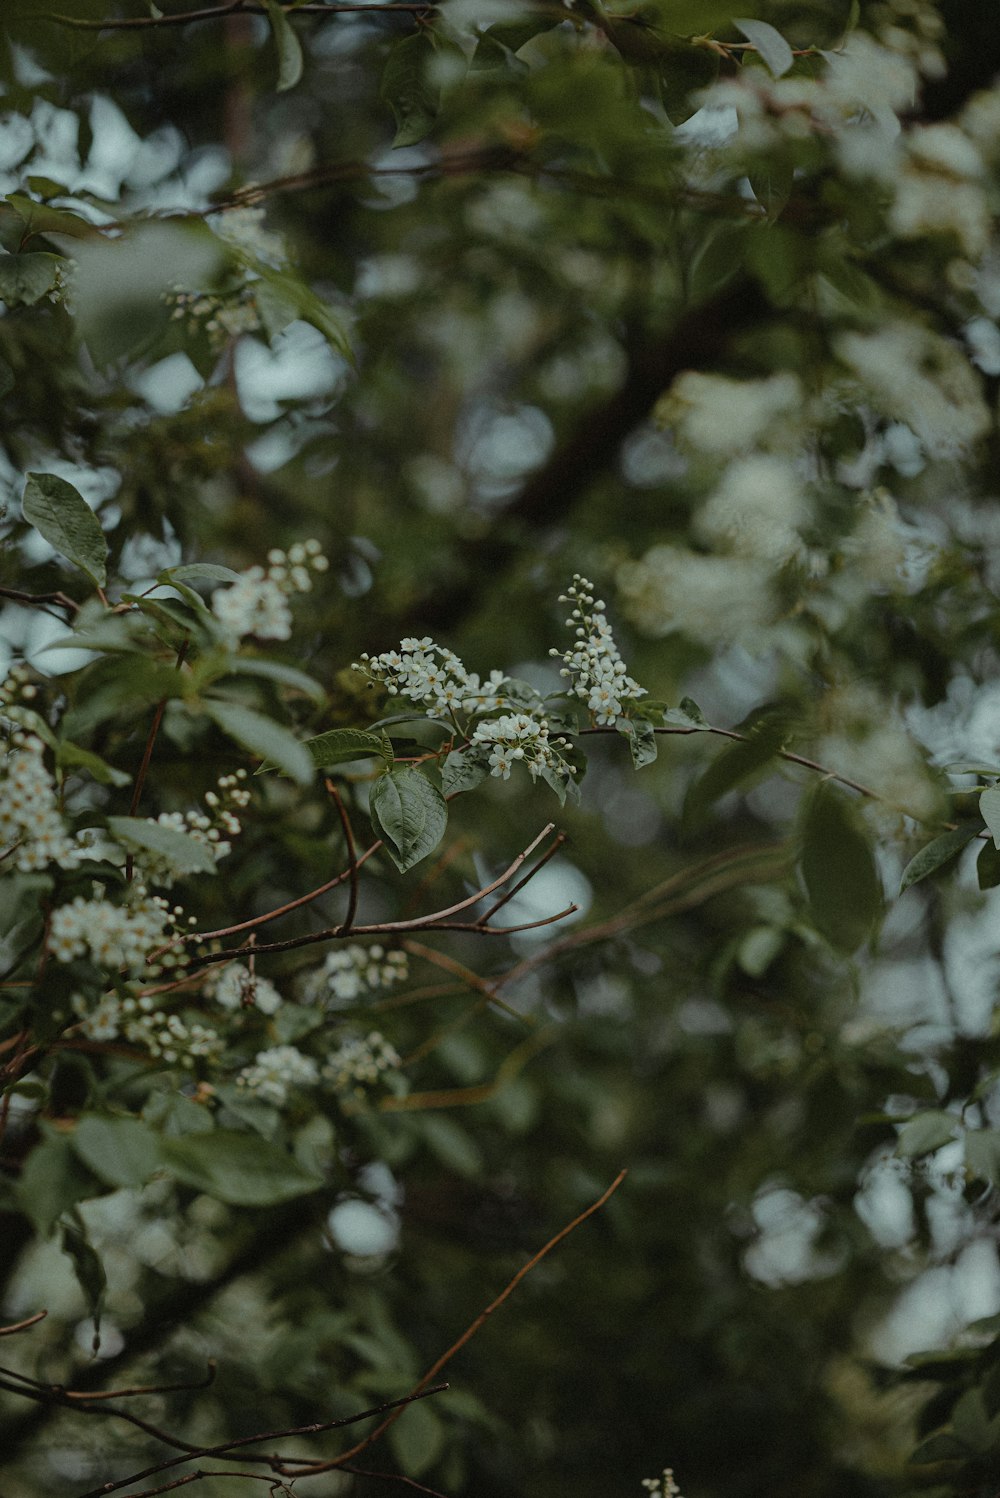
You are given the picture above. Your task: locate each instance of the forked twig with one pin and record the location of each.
(310, 1468)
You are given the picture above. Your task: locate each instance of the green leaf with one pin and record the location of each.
(198, 572)
(262, 736)
(988, 867)
(287, 676)
(173, 1114)
(417, 1438)
(282, 296)
(772, 181)
(412, 99)
(287, 45)
(26, 278)
(989, 805)
(845, 894)
(941, 1447)
(41, 219)
(52, 1181)
(982, 1154)
(185, 854)
(770, 44)
(926, 1132)
(72, 756)
(244, 1170)
(340, 746)
(764, 735)
(409, 815)
(641, 740)
(937, 853)
(120, 1151)
(88, 1268)
(463, 770)
(61, 514)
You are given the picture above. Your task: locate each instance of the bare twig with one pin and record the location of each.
(276, 1463)
(41, 600)
(442, 1362)
(147, 754)
(22, 1326)
(509, 894)
(472, 979)
(409, 1482)
(231, 7)
(481, 1092)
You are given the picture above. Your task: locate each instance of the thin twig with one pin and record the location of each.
(345, 822)
(41, 600)
(225, 1447)
(22, 1326)
(147, 754)
(560, 838)
(480, 1092)
(472, 979)
(220, 12)
(468, 1334)
(386, 1477)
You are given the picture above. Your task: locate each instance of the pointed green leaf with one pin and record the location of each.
(61, 514)
(770, 44)
(641, 740)
(342, 745)
(417, 1439)
(937, 853)
(26, 278)
(264, 737)
(763, 736)
(287, 45)
(926, 1132)
(988, 867)
(463, 770)
(244, 1170)
(989, 805)
(120, 1151)
(845, 893)
(88, 1269)
(405, 88)
(185, 854)
(409, 814)
(198, 572)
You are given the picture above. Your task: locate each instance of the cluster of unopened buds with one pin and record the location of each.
(275, 1072)
(256, 604)
(662, 1486)
(594, 668)
(220, 316)
(360, 1062)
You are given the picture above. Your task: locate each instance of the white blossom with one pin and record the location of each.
(593, 666)
(29, 811)
(709, 598)
(234, 987)
(723, 417)
(360, 1062)
(256, 604)
(113, 936)
(276, 1071)
(353, 972)
(757, 510)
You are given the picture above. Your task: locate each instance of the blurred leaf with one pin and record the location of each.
(264, 737)
(764, 734)
(120, 1151)
(988, 866)
(185, 854)
(71, 756)
(198, 572)
(989, 805)
(413, 100)
(770, 44)
(25, 279)
(417, 1438)
(982, 1154)
(244, 1170)
(88, 1269)
(937, 853)
(845, 894)
(61, 514)
(288, 676)
(287, 45)
(409, 815)
(683, 70)
(53, 1180)
(926, 1132)
(641, 740)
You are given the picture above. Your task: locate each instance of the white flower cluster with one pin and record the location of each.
(520, 736)
(167, 1037)
(245, 228)
(353, 972)
(234, 987)
(274, 1072)
(757, 510)
(595, 669)
(709, 598)
(212, 830)
(114, 936)
(724, 417)
(434, 677)
(29, 814)
(360, 1062)
(662, 1486)
(257, 603)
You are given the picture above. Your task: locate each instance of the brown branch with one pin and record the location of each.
(560, 838)
(40, 600)
(232, 7)
(22, 1326)
(470, 1331)
(410, 1482)
(352, 900)
(147, 755)
(223, 1449)
(182, 1482)
(472, 979)
(481, 1092)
